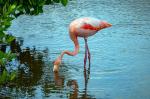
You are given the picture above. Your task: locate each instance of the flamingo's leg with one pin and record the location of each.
(88, 52)
(85, 57)
(89, 58)
(89, 55)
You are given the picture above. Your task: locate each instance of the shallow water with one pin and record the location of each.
(120, 55)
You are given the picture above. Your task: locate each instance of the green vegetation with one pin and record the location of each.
(5, 58)
(9, 10)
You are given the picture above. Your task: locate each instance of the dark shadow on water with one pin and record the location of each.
(35, 76)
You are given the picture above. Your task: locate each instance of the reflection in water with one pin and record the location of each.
(30, 65)
(35, 77)
(86, 78)
(59, 81)
(74, 85)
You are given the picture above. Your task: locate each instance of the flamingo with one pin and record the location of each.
(81, 27)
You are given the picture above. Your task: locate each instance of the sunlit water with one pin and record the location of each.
(120, 55)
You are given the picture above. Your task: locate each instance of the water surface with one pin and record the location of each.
(120, 55)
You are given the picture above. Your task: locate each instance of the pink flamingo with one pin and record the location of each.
(82, 27)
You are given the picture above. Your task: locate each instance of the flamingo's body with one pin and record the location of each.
(82, 27)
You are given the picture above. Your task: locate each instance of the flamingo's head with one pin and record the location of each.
(57, 62)
(104, 24)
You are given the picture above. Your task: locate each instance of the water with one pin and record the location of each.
(120, 55)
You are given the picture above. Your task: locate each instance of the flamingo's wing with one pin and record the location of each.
(90, 24)
(88, 27)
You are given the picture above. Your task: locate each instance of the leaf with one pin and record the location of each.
(57, 1)
(2, 34)
(9, 39)
(40, 9)
(10, 18)
(2, 55)
(10, 9)
(9, 56)
(4, 76)
(13, 7)
(13, 75)
(30, 2)
(64, 2)
(41, 3)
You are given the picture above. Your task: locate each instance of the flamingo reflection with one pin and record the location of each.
(74, 85)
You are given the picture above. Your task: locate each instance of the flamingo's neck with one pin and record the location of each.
(57, 62)
(75, 52)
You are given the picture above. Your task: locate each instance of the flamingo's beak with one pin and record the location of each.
(109, 25)
(105, 24)
(57, 63)
(55, 68)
